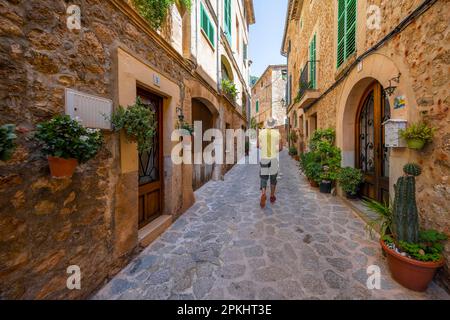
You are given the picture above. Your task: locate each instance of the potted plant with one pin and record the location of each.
(417, 135)
(313, 169)
(67, 143)
(413, 255)
(327, 177)
(229, 88)
(138, 122)
(7, 138)
(293, 151)
(350, 180)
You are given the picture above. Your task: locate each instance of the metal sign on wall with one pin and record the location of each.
(92, 111)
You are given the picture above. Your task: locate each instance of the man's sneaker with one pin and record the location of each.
(263, 201)
(273, 199)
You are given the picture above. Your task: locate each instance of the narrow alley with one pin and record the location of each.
(306, 246)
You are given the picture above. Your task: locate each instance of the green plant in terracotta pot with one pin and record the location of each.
(138, 122)
(67, 143)
(350, 180)
(7, 138)
(413, 255)
(417, 135)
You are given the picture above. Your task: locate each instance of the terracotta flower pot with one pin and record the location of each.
(62, 168)
(416, 144)
(412, 274)
(297, 158)
(313, 183)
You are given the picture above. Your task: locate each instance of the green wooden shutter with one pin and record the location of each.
(257, 106)
(350, 28)
(346, 40)
(312, 59)
(227, 19)
(207, 25)
(341, 33)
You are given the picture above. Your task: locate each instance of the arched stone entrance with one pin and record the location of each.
(363, 107)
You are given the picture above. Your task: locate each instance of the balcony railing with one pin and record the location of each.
(308, 79)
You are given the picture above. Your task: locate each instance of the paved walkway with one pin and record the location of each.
(307, 246)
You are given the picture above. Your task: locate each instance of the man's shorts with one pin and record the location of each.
(265, 178)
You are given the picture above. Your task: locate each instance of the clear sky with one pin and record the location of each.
(266, 35)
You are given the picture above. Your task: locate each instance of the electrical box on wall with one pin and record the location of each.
(93, 112)
(392, 129)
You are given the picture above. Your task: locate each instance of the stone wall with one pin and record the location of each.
(47, 225)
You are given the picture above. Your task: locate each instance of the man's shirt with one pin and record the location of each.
(269, 143)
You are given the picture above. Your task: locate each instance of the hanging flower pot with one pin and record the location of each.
(62, 168)
(416, 144)
(67, 143)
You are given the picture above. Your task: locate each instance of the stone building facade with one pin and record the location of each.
(91, 220)
(411, 62)
(269, 94)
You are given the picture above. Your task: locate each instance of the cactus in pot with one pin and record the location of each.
(406, 219)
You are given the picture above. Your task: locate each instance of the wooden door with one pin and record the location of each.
(151, 167)
(372, 156)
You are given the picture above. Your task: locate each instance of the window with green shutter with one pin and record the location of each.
(227, 19)
(206, 25)
(346, 45)
(312, 67)
(257, 106)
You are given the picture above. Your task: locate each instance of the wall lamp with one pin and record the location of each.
(391, 89)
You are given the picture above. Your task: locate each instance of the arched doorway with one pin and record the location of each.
(202, 173)
(372, 156)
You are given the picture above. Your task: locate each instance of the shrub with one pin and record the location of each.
(155, 11)
(293, 137)
(65, 138)
(350, 179)
(138, 122)
(293, 151)
(229, 88)
(7, 138)
(419, 131)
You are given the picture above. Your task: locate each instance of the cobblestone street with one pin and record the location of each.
(306, 246)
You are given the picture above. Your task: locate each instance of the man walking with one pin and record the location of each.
(269, 141)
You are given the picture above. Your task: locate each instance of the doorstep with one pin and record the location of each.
(153, 230)
(360, 210)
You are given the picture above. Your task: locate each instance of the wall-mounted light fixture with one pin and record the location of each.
(180, 114)
(391, 89)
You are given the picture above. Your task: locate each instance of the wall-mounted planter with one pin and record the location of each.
(415, 144)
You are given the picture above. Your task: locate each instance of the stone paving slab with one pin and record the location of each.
(306, 246)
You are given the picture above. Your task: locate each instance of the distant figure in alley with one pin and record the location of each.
(270, 145)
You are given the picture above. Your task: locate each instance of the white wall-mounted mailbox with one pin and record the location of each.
(392, 129)
(93, 112)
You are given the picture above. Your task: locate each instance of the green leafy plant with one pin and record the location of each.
(293, 151)
(139, 123)
(293, 137)
(350, 179)
(384, 218)
(155, 11)
(418, 131)
(310, 165)
(253, 123)
(321, 135)
(429, 247)
(65, 138)
(183, 125)
(229, 88)
(7, 138)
